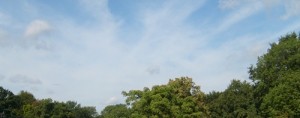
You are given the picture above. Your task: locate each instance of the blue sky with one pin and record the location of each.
(91, 50)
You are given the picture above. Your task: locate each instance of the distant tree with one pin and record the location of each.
(115, 111)
(180, 98)
(24, 105)
(47, 108)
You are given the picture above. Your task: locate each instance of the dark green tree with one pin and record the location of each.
(9, 103)
(235, 102)
(284, 99)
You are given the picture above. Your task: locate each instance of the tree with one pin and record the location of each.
(85, 112)
(9, 103)
(179, 98)
(282, 58)
(235, 102)
(26, 97)
(24, 105)
(47, 108)
(116, 111)
(283, 100)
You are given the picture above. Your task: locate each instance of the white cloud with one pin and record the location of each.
(36, 28)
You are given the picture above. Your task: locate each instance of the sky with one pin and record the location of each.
(90, 51)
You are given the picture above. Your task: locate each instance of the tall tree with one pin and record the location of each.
(281, 59)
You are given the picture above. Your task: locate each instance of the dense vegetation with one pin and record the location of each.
(273, 92)
(24, 105)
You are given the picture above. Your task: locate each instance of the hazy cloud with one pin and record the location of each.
(153, 70)
(2, 77)
(50, 92)
(3, 38)
(270, 3)
(24, 80)
(36, 28)
(4, 19)
(292, 8)
(112, 100)
(228, 4)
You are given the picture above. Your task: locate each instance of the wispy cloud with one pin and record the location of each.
(291, 7)
(238, 15)
(36, 28)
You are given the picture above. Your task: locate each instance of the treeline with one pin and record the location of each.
(25, 105)
(274, 91)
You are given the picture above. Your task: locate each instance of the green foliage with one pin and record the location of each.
(281, 58)
(235, 102)
(9, 103)
(48, 108)
(26, 97)
(283, 100)
(179, 98)
(116, 111)
(269, 74)
(24, 105)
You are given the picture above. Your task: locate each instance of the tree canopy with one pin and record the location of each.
(179, 98)
(272, 74)
(24, 105)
